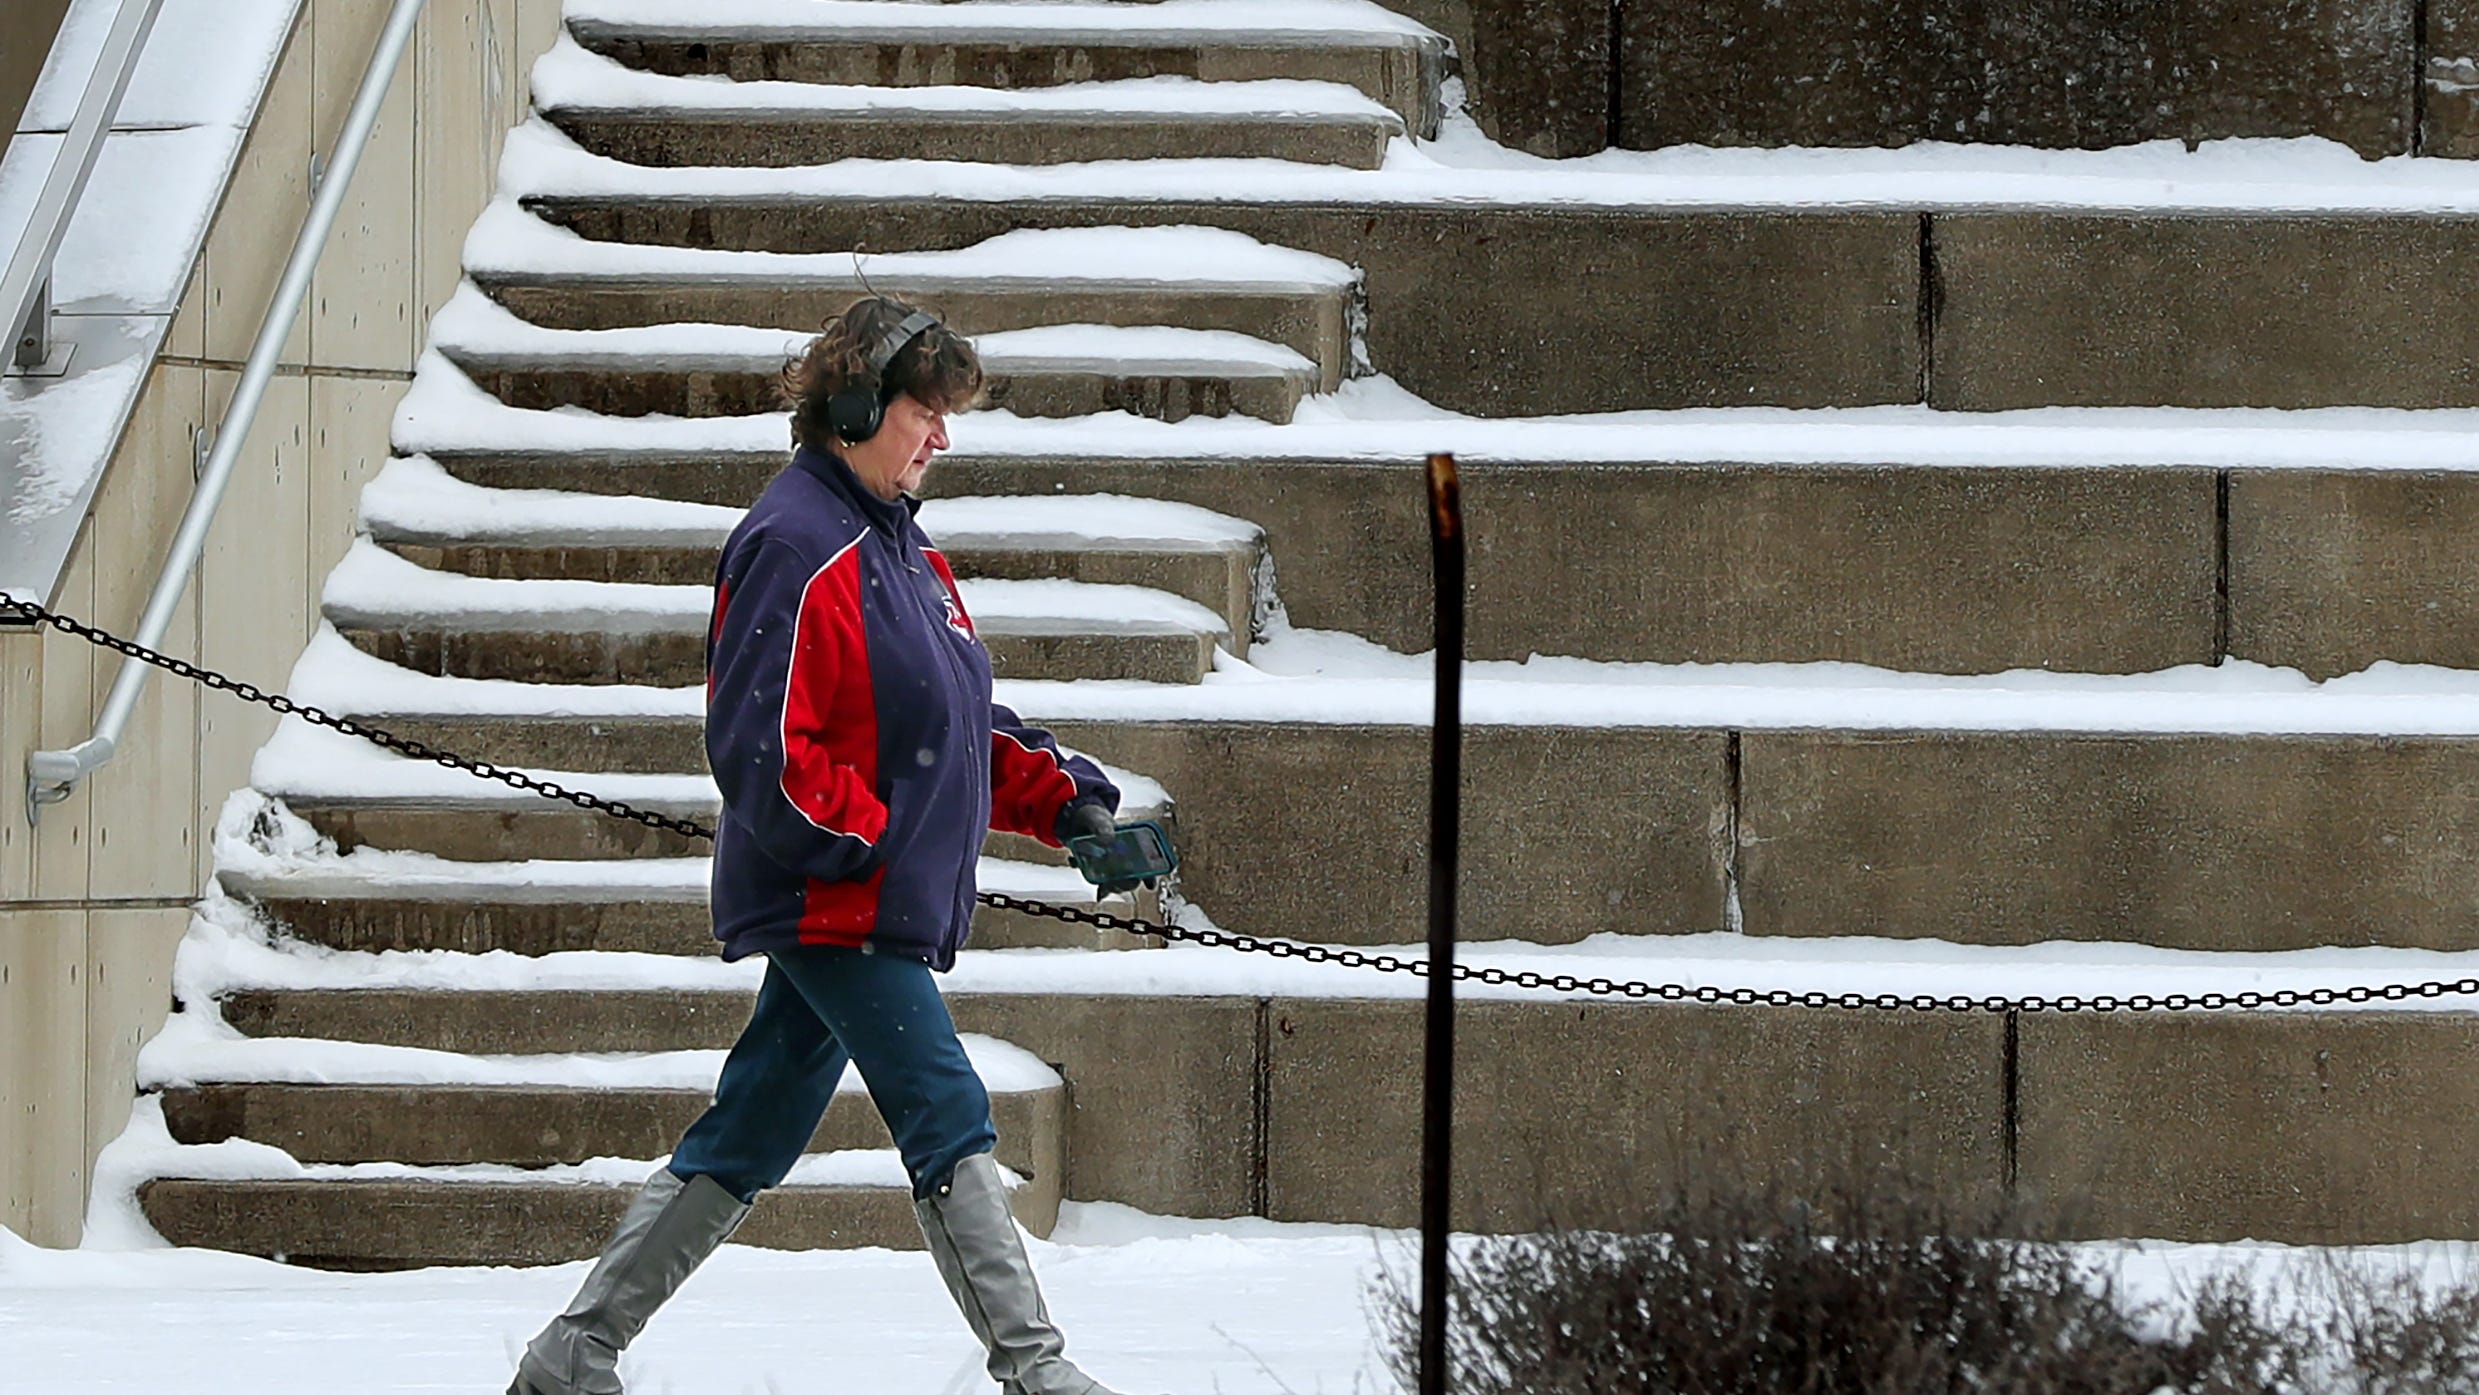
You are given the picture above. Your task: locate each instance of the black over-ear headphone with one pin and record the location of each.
(855, 412)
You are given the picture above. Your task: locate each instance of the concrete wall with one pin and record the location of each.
(1569, 77)
(93, 900)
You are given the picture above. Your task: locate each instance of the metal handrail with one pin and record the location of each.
(26, 287)
(51, 776)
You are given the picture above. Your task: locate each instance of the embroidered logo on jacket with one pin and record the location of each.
(955, 615)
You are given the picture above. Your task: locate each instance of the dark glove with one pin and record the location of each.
(1090, 819)
(1086, 818)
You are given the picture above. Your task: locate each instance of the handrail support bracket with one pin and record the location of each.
(33, 352)
(41, 792)
(52, 776)
(34, 335)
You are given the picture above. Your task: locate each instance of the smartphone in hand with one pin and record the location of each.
(1135, 852)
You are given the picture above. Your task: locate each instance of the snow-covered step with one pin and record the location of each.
(1159, 372)
(342, 1102)
(1213, 559)
(643, 742)
(652, 119)
(490, 829)
(371, 855)
(532, 1126)
(417, 1219)
(1192, 278)
(555, 907)
(1393, 60)
(1163, 372)
(650, 635)
(420, 512)
(348, 793)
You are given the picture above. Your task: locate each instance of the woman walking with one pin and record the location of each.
(850, 727)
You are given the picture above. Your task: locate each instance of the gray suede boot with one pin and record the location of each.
(669, 1230)
(972, 1235)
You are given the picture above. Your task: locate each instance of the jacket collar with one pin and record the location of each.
(887, 516)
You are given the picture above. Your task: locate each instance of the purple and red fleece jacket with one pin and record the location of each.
(850, 726)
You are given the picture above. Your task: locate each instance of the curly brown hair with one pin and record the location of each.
(938, 366)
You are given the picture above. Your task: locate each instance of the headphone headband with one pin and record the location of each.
(904, 333)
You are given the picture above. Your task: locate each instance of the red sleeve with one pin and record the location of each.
(1032, 780)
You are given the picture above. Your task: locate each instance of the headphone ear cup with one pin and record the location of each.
(854, 414)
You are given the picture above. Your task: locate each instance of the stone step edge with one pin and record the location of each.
(2087, 707)
(166, 1163)
(475, 332)
(189, 1053)
(605, 882)
(1798, 965)
(533, 1127)
(551, 171)
(896, 113)
(2237, 440)
(572, 78)
(395, 530)
(311, 1222)
(371, 588)
(351, 620)
(996, 364)
(994, 21)
(2245, 702)
(415, 500)
(511, 246)
(347, 772)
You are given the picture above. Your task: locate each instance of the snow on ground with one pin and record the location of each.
(1243, 1307)
(1148, 1303)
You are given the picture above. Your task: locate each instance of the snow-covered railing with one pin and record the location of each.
(26, 286)
(52, 775)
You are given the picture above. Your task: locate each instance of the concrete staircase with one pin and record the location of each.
(1187, 350)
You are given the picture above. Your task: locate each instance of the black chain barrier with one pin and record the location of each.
(1304, 951)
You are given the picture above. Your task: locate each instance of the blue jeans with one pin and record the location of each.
(820, 1007)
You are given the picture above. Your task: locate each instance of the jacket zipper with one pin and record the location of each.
(960, 680)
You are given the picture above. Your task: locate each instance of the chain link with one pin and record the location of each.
(1308, 952)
